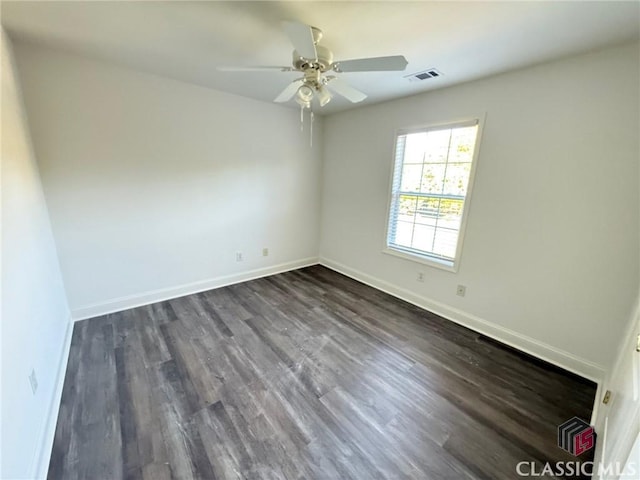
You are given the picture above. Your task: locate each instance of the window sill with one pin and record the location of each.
(425, 260)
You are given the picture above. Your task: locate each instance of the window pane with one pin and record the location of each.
(437, 146)
(407, 208)
(462, 142)
(423, 237)
(450, 213)
(457, 178)
(445, 242)
(415, 146)
(404, 231)
(433, 178)
(411, 178)
(427, 211)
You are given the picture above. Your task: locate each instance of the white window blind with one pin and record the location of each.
(431, 178)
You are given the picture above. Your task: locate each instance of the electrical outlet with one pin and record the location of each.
(265, 252)
(238, 256)
(33, 381)
(461, 290)
(420, 277)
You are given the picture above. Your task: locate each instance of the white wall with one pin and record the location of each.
(550, 257)
(154, 184)
(35, 326)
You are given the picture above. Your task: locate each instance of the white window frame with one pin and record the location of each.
(426, 259)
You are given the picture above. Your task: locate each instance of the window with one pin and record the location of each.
(432, 177)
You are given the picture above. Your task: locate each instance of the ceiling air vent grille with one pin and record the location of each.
(424, 75)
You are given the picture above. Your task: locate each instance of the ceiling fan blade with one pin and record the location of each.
(373, 64)
(301, 37)
(254, 68)
(288, 92)
(347, 91)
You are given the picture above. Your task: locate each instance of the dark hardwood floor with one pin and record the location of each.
(306, 374)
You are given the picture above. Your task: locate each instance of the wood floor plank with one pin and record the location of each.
(303, 375)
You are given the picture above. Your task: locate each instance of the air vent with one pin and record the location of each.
(424, 75)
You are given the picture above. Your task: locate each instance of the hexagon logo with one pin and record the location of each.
(576, 436)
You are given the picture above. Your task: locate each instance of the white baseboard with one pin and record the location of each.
(138, 300)
(543, 351)
(40, 465)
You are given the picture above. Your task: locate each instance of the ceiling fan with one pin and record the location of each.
(314, 61)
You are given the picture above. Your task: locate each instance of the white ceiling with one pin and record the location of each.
(188, 40)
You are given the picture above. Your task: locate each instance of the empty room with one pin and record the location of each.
(320, 240)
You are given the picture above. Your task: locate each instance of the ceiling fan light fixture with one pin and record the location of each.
(302, 103)
(305, 94)
(324, 96)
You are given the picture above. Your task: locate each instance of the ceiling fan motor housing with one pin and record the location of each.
(322, 63)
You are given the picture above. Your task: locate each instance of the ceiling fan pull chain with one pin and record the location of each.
(301, 118)
(311, 130)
